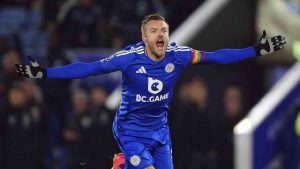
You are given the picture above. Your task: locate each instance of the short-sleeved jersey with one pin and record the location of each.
(147, 85)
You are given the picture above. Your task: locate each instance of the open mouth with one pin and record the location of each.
(160, 44)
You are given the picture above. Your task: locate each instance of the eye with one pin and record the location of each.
(164, 30)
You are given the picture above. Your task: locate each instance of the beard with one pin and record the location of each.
(157, 54)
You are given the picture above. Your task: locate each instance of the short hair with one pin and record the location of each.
(151, 17)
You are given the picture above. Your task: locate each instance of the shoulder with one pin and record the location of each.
(182, 54)
(136, 49)
(173, 47)
(127, 54)
(131, 50)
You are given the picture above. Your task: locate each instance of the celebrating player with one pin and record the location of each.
(149, 69)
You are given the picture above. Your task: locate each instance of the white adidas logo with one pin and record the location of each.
(141, 70)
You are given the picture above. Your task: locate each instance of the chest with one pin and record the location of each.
(153, 77)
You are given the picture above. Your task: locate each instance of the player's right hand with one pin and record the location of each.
(33, 71)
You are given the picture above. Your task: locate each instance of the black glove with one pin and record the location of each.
(33, 71)
(267, 46)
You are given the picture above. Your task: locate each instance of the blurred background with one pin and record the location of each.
(66, 124)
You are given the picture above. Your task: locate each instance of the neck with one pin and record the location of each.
(153, 56)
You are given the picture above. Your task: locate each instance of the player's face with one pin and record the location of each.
(156, 38)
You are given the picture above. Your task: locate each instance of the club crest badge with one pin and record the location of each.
(169, 67)
(135, 160)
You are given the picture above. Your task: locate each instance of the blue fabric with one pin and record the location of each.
(152, 148)
(225, 56)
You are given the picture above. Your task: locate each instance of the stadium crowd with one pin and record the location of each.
(83, 23)
(51, 124)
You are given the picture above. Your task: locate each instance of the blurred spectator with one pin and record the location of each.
(203, 152)
(56, 104)
(178, 109)
(21, 132)
(233, 113)
(9, 59)
(192, 148)
(32, 92)
(35, 106)
(103, 142)
(7, 75)
(34, 100)
(56, 96)
(77, 134)
(83, 25)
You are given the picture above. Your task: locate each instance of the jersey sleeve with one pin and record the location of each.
(222, 56)
(115, 62)
(189, 55)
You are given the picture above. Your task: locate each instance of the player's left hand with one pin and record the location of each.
(267, 46)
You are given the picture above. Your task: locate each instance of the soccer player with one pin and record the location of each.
(149, 69)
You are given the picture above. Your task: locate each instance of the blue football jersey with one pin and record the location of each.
(147, 85)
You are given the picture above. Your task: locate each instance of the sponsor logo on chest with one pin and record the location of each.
(155, 86)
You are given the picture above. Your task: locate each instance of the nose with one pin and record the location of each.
(161, 33)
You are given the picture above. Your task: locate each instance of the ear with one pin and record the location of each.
(144, 37)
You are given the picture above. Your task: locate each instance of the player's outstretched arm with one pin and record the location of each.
(265, 46)
(71, 71)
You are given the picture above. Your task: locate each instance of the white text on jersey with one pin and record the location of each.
(151, 99)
